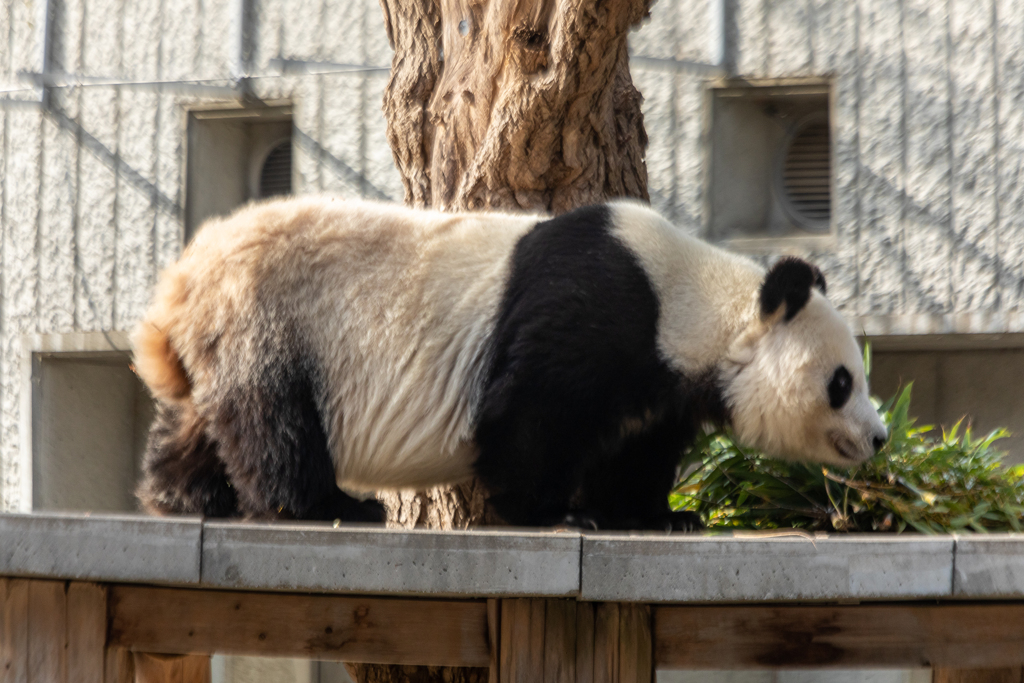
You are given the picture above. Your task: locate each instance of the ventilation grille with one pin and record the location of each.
(807, 175)
(276, 174)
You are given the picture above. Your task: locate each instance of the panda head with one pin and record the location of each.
(795, 383)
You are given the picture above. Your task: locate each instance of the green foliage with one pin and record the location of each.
(933, 484)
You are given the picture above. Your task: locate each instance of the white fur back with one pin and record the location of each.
(707, 295)
(405, 341)
(398, 303)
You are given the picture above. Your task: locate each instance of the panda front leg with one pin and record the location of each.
(530, 468)
(631, 490)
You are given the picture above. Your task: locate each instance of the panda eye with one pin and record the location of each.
(840, 387)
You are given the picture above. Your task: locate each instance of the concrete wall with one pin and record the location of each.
(927, 111)
(92, 190)
(92, 417)
(982, 387)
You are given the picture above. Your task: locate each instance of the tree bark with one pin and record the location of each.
(514, 105)
(505, 105)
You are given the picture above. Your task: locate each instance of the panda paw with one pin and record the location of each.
(682, 520)
(368, 511)
(578, 520)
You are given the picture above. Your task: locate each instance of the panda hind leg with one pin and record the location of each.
(279, 461)
(181, 470)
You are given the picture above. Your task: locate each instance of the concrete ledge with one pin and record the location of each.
(989, 566)
(660, 568)
(373, 560)
(744, 567)
(104, 548)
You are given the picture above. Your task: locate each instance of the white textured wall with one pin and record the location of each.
(929, 121)
(92, 190)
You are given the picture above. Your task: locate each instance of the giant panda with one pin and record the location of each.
(305, 346)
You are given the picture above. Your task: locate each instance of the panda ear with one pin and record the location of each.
(789, 282)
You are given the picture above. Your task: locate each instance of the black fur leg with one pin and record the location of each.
(574, 352)
(540, 500)
(340, 505)
(274, 445)
(631, 491)
(181, 472)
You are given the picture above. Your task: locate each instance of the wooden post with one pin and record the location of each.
(52, 632)
(564, 641)
(151, 668)
(119, 666)
(47, 619)
(13, 630)
(86, 632)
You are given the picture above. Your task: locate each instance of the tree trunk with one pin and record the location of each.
(514, 105)
(505, 105)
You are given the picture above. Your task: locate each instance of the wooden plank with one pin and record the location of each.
(5, 629)
(119, 666)
(584, 642)
(47, 626)
(516, 625)
(494, 638)
(157, 668)
(196, 669)
(560, 641)
(150, 668)
(1012, 675)
(536, 639)
(636, 647)
(509, 619)
(351, 629)
(606, 642)
(86, 632)
(970, 635)
(14, 647)
(14, 638)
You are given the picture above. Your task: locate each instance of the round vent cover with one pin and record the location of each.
(276, 174)
(806, 180)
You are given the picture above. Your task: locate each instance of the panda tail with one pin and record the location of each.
(182, 473)
(158, 364)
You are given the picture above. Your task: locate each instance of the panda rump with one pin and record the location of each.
(304, 345)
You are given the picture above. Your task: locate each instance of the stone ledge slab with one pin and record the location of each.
(679, 568)
(103, 548)
(989, 566)
(383, 561)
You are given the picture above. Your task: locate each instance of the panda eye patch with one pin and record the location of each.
(840, 387)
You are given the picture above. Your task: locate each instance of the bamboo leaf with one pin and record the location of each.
(928, 482)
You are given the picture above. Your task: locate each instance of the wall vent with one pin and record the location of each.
(234, 155)
(806, 178)
(769, 163)
(276, 174)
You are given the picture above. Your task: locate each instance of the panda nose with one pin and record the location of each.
(879, 441)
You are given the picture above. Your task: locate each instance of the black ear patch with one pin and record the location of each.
(789, 282)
